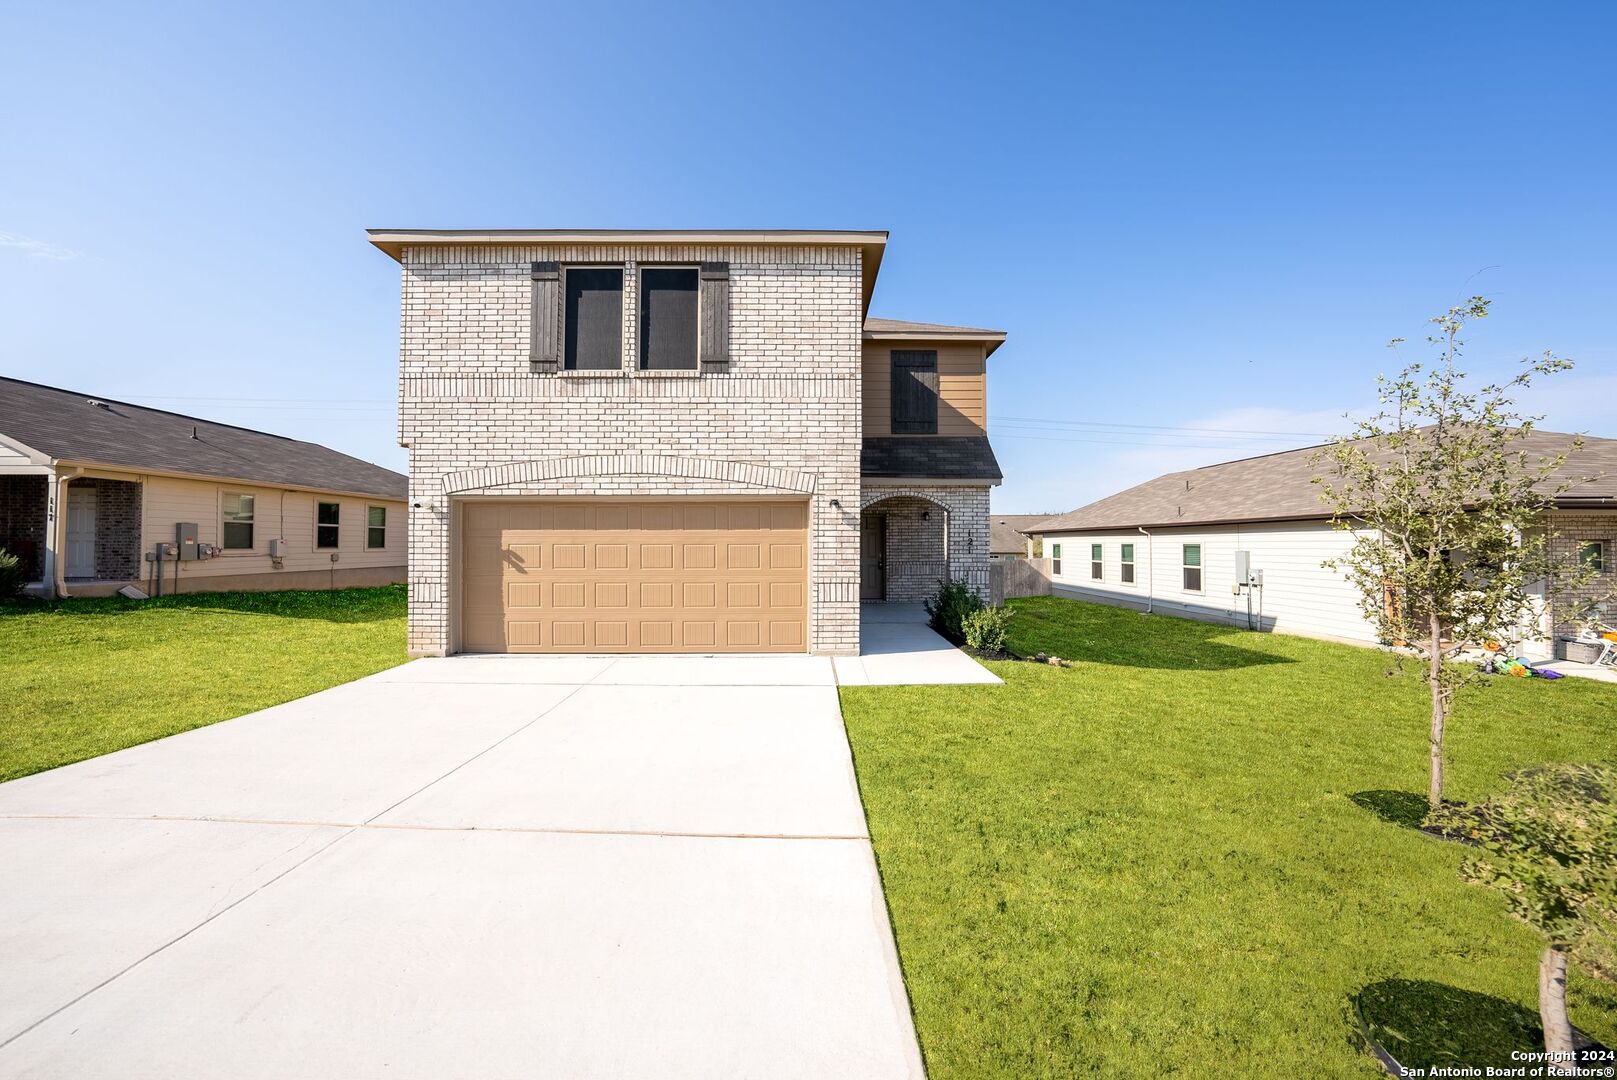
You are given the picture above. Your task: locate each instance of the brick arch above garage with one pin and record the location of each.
(711, 470)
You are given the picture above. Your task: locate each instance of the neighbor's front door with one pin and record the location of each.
(80, 532)
(873, 557)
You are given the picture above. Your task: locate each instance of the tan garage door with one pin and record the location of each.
(674, 576)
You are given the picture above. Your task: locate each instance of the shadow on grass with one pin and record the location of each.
(1122, 637)
(1423, 1024)
(362, 605)
(1403, 808)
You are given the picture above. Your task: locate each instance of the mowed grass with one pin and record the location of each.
(1152, 863)
(86, 677)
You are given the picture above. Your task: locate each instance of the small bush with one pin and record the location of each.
(949, 606)
(11, 581)
(985, 629)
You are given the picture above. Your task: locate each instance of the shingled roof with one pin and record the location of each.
(1279, 487)
(945, 457)
(1007, 533)
(902, 330)
(83, 429)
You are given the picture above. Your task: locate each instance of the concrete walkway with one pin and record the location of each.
(898, 648)
(475, 867)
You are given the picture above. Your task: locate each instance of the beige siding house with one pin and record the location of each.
(677, 441)
(91, 488)
(1244, 543)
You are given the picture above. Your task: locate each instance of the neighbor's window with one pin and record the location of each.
(668, 318)
(1097, 565)
(376, 526)
(594, 319)
(325, 524)
(1055, 559)
(1127, 564)
(238, 515)
(1593, 554)
(915, 392)
(1192, 562)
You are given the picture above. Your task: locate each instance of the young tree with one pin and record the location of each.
(1449, 513)
(1550, 847)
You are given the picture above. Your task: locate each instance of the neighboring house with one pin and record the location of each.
(1007, 535)
(677, 441)
(1174, 544)
(90, 486)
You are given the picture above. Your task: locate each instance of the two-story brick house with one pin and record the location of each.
(677, 441)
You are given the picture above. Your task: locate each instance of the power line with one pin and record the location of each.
(1154, 427)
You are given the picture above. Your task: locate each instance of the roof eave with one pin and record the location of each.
(992, 339)
(870, 242)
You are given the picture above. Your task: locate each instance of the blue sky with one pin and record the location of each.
(1195, 220)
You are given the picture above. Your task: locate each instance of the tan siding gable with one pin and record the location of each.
(962, 387)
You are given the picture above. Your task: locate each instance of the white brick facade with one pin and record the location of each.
(783, 420)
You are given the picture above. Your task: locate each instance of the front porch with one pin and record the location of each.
(913, 539)
(96, 540)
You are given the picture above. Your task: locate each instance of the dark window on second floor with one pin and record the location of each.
(668, 318)
(915, 392)
(594, 319)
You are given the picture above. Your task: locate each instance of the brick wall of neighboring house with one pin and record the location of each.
(1573, 530)
(784, 419)
(22, 521)
(915, 530)
(117, 527)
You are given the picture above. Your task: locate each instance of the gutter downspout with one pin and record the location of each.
(59, 533)
(1150, 570)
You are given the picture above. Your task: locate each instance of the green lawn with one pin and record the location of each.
(1153, 862)
(86, 677)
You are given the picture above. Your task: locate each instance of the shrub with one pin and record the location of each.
(11, 582)
(984, 629)
(949, 606)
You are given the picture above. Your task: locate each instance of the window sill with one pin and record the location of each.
(591, 373)
(662, 373)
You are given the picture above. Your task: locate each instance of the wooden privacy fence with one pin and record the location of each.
(1018, 577)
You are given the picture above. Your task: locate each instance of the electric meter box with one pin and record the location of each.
(185, 539)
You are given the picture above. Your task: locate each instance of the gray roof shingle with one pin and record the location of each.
(67, 426)
(933, 457)
(1279, 487)
(1007, 533)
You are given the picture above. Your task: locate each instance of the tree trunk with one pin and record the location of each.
(1552, 1009)
(1434, 681)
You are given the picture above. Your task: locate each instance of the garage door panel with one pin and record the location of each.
(661, 576)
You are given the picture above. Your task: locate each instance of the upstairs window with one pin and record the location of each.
(376, 526)
(1192, 564)
(1097, 563)
(593, 315)
(668, 318)
(1126, 564)
(915, 392)
(238, 523)
(1055, 559)
(326, 517)
(1592, 554)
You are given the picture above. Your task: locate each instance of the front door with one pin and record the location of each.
(873, 557)
(80, 531)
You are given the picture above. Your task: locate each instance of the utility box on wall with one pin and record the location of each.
(185, 539)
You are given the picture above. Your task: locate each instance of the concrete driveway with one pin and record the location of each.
(474, 867)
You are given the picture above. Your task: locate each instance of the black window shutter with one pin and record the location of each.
(915, 392)
(544, 343)
(715, 316)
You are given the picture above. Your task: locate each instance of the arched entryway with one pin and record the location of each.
(903, 548)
